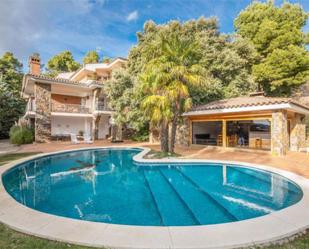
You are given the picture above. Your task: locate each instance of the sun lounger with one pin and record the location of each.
(74, 139)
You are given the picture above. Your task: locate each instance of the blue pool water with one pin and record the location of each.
(105, 185)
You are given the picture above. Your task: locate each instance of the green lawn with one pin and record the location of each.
(9, 239)
(14, 156)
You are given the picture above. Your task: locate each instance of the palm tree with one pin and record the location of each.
(157, 106)
(174, 70)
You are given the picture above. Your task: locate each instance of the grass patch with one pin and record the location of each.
(14, 156)
(10, 239)
(301, 242)
(153, 154)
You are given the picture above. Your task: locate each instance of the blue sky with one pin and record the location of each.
(108, 26)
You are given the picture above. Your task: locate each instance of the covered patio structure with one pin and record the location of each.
(254, 122)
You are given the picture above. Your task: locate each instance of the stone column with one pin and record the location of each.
(95, 98)
(154, 135)
(183, 133)
(116, 133)
(95, 127)
(297, 132)
(279, 133)
(43, 112)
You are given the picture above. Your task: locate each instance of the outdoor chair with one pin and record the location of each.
(87, 139)
(306, 149)
(74, 139)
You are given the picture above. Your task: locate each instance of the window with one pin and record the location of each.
(207, 133)
(248, 133)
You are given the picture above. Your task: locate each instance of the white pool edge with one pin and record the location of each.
(261, 230)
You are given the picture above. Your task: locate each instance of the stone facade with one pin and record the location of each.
(117, 132)
(279, 133)
(297, 132)
(154, 136)
(95, 127)
(43, 112)
(183, 133)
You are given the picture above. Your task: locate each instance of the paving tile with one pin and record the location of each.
(136, 237)
(259, 230)
(74, 231)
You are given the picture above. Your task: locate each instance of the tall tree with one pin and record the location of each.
(91, 57)
(170, 74)
(125, 99)
(226, 61)
(10, 73)
(12, 105)
(157, 106)
(62, 62)
(106, 59)
(277, 34)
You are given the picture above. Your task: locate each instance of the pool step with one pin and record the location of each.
(204, 207)
(162, 223)
(235, 206)
(239, 203)
(264, 178)
(167, 201)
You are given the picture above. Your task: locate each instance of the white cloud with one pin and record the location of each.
(28, 26)
(132, 16)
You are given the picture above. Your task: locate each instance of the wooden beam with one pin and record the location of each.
(231, 116)
(224, 133)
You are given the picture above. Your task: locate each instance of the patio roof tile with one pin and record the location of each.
(246, 102)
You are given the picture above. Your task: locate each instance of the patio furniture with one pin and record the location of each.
(204, 139)
(219, 140)
(258, 143)
(74, 139)
(232, 141)
(87, 138)
(306, 149)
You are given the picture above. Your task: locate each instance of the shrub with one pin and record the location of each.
(140, 136)
(14, 129)
(21, 135)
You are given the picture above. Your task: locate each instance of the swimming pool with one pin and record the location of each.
(106, 185)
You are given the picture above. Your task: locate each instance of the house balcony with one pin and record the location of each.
(30, 109)
(102, 109)
(30, 106)
(70, 108)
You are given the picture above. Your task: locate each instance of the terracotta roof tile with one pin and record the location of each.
(246, 102)
(60, 80)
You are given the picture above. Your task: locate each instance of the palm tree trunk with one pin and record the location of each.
(173, 133)
(164, 137)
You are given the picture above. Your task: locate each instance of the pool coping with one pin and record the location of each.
(261, 230)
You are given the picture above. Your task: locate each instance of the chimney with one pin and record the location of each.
(35, 64)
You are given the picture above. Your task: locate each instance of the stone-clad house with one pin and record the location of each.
(75, 102)
(253, 122)
(69, 103)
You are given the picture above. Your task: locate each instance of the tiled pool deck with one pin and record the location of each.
(265, 229)
(294, 161)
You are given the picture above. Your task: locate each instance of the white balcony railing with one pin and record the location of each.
(70, 108)
(30, 107)
(102, 107)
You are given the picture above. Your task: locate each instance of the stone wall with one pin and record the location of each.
(279, 133)
(183, 133)
(154, 136)
(43, 112)
(297, 132)
(116, 133)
